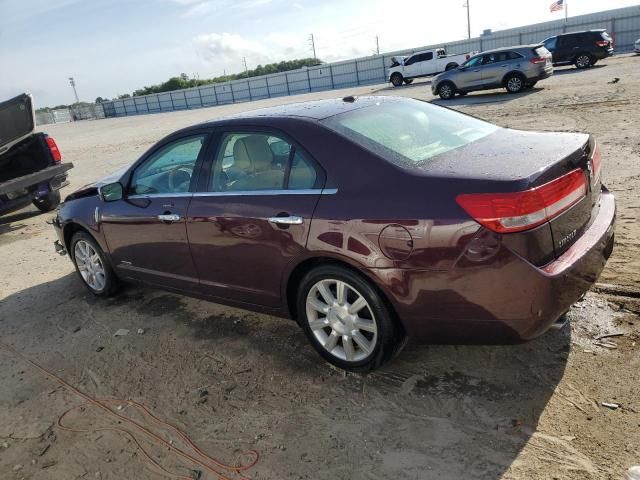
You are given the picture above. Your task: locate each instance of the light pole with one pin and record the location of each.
(72, 82)
(313, 45)
(466, 5)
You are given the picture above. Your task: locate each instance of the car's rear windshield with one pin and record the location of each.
(409, 132)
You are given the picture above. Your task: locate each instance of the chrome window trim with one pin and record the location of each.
(311, 191)
(160, 195)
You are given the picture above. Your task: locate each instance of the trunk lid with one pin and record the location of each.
(17, 121)
(517, 161)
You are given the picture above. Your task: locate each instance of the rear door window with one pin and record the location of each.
(551, 43)
(254, 161)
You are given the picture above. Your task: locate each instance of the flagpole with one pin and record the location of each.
(566, 11)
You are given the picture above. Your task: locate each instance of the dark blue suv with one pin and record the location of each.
(583, 49)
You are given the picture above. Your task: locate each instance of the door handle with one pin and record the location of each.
(169, 217)
(477, 70)
(290, 220)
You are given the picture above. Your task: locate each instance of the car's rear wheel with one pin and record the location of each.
(450, 66)
(531, 84)
(47, 203)
(514, 83)
(396, 79)
(583, 60)
(408, 81)
(446, 90)
(346, 319)
(92, 265)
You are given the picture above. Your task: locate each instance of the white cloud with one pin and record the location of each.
(227, 49)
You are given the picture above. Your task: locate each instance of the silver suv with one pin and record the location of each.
(513, 68)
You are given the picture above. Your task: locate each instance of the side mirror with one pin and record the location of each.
(111, 192)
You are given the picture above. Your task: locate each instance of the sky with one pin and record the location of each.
(112, 47)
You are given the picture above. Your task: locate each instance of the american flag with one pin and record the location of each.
(557, 5)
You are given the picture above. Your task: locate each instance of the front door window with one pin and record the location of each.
(169, 170)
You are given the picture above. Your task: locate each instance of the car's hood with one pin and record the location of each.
(92, 188)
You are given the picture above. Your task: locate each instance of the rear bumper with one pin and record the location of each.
(504, 299)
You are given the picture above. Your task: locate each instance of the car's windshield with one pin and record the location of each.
(409, 132)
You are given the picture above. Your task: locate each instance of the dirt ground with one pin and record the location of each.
(237, 381)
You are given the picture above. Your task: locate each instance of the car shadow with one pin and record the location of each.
(460, 411)
(481, 97)
(570, 69)
(417, 83)
(8, 222)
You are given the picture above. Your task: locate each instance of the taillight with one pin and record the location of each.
(596, 162)
(538, 60)
(518, 211)
(602, 43)
(55, 151)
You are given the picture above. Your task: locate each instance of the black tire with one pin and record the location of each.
(446, 90)
(514, 82)
(583, 60)
(111, 282)
(48, 202)
(531, 84)
(450, 66)
(462, 94)
(396, 79)
(408, 81)
(384, 344)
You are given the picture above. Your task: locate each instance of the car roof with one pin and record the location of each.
(515, 47)
(595, 30)
(313, 110)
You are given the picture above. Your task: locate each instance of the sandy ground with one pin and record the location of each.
(236, 381)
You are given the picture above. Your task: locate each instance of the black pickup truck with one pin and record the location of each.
(31, 168)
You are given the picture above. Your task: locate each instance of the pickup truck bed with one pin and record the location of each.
(31, 168)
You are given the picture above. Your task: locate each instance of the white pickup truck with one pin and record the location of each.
(423, 64)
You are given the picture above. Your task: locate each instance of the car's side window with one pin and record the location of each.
(488, 59)
(550, 44)
(251, 161)
(169, 170)
(472, 62)
(410, 60)
(302, 174)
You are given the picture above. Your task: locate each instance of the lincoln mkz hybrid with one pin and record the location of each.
(367, 220)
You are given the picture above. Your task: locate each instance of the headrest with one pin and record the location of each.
(252, 153)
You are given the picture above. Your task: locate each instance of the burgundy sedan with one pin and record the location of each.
(367, 220)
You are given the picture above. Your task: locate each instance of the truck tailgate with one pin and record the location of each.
(34, 178)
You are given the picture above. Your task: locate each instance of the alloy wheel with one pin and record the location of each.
(341, 320)
(90, 265)
(514, 84)
(583, 61)
(445, 91)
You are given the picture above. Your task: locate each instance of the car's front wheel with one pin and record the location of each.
(396, 79)
(446, 90)
(583, 60)
(346, 319)
(92, 265)
(47, 203)
(514, 83)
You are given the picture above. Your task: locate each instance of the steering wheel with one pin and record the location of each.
(179, 179)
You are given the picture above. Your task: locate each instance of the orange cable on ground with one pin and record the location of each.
(200, 458)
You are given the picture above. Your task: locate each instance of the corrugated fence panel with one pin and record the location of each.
(622, 23)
